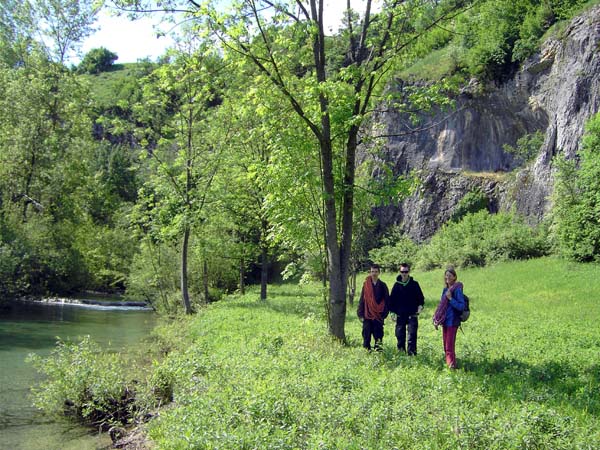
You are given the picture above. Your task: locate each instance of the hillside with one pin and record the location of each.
(548, 99)
(247, 374)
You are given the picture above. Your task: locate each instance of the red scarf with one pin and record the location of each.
(373, 310)
(440, 313)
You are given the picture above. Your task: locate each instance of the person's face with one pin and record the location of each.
(449, 278)
(374, 273)
(404, 273)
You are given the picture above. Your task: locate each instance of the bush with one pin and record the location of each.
(576, 212)
(106, 253)
(472, 202)
(84, 383)
(8, 265)
(482, 238)
(527, 148)
(389, 257)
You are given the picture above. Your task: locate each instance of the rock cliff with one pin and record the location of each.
(554, 92)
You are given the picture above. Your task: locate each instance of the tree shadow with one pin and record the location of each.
(553, 383)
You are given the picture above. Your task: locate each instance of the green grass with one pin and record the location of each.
(106, 86)
(434, 66)
(250, 375)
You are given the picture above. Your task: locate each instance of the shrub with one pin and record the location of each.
(397, 249)
(576, 212)
(482, 238)
(472, 202)
(527, 148)
(84, 383)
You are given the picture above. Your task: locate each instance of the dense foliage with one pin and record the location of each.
(576, 209)
(490, 39)
(478, 239)
(97, 60)
(85, 384)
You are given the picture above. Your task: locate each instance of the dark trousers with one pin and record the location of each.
(402, 322)
(374, 328)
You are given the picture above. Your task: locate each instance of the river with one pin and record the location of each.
(28, 328)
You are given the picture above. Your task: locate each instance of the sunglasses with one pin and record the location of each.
(404, 271)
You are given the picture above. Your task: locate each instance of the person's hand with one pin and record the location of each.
(448, 294)
(419, 309)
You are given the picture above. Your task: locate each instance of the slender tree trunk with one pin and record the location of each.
(242, 276)
(184, 275)
(205, 281)
(264, 260)
(351, 287)
(264, 272)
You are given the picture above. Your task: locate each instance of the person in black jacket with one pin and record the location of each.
(406, 301)
(373, 308)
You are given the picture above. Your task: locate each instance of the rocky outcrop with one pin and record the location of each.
(554, 92)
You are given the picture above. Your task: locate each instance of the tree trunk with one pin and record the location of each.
(264, 272)
(205, 281)
(184, 275)
(242, 276)
(337, 280)
(351, 287)
(264, 259)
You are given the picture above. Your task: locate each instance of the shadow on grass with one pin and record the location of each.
(553, 383)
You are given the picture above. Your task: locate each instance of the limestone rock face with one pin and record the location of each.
(554, 92)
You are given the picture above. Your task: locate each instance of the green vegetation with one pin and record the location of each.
(85, 384)
(528, 147)
(576, 210)
(249, 374)
(478, 239)
(491, 39)
(97, 60)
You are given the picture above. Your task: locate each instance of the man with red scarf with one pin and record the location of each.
(373, 308)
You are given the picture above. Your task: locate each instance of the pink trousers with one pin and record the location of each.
(449, 337)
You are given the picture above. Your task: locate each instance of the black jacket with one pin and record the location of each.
(406, 299)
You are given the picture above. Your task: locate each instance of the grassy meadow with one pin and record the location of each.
(251, 375)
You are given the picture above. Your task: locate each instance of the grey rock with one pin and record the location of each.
(555, 92)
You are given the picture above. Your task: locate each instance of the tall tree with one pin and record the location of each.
(184, 159)
(286, 41)
(44, 122)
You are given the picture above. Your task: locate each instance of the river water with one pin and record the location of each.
(28, 328)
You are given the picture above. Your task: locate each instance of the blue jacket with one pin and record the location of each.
(455, 306)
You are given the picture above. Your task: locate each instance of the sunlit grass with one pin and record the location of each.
(266, 375)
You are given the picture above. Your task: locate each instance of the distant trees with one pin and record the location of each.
(97, 60)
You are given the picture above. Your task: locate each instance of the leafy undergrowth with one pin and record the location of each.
(248, 375)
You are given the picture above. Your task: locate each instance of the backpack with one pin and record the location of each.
(465, 313)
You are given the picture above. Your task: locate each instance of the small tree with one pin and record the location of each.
(576, 213)
(97, 60)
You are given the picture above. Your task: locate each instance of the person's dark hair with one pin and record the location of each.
(451, 270)
(405, 265)
(375, 266)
